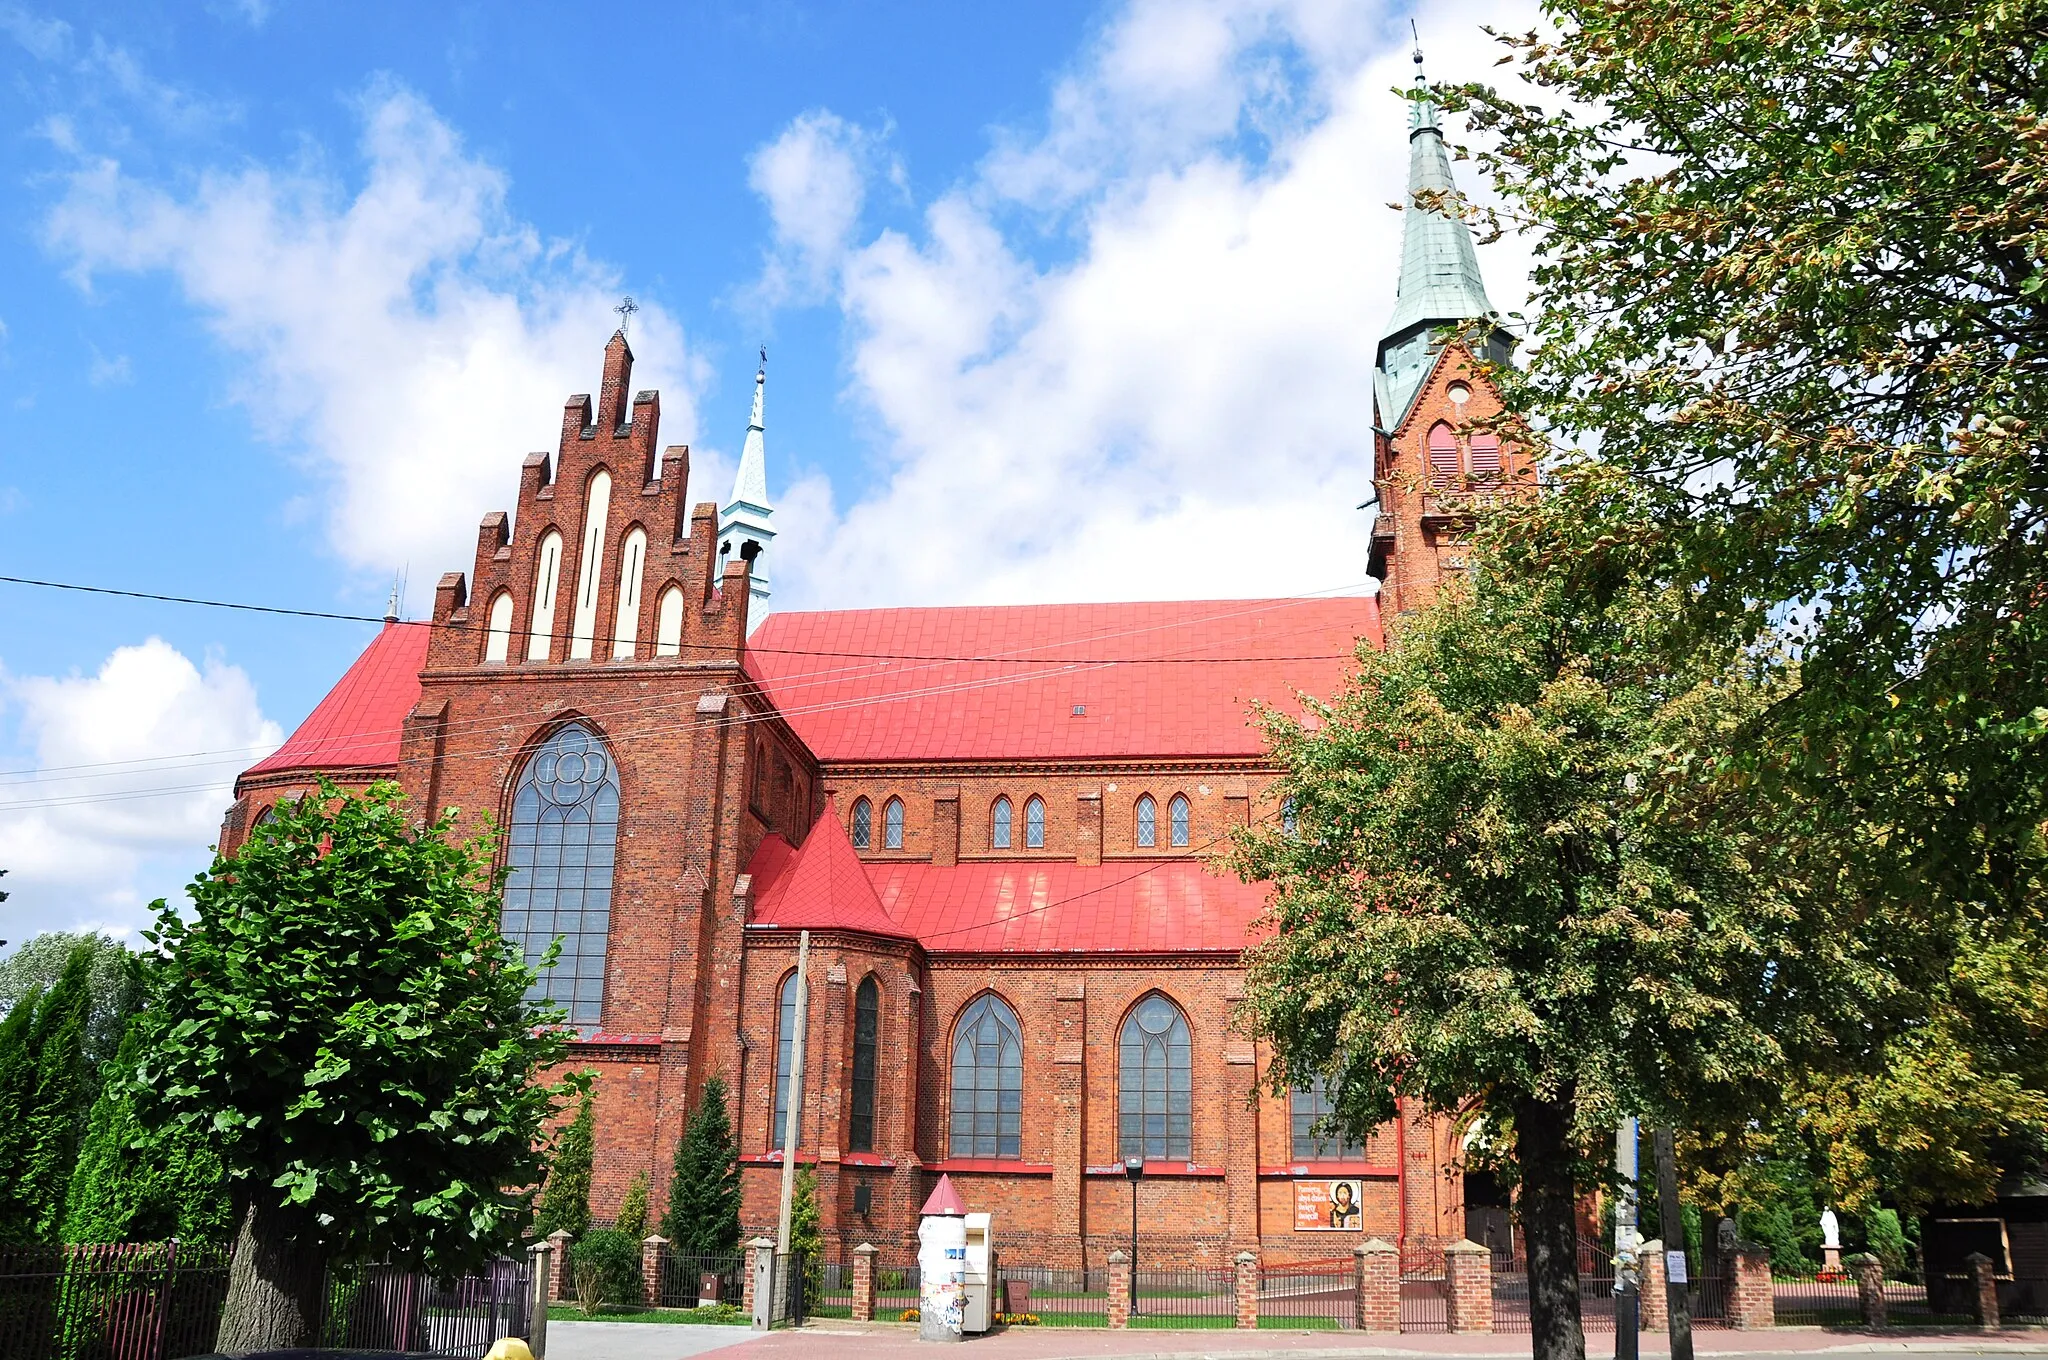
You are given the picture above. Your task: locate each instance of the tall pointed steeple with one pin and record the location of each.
(746, 525)
(1440, 286)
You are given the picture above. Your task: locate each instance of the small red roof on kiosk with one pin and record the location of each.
(358, 725)
(944, 1201)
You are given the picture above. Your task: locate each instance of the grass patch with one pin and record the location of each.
(718, 1315)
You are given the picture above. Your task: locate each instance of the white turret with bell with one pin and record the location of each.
(746, 524)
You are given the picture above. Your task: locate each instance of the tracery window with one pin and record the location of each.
(1154, 1080)
(1177, 817)
(1309, 1104)
(892, 824)
(1148, 822)
(863, 823)
(867, 1026)
(564, 833)
(988, 1081)
(999, 824)
(785, 1038)
(1034, 824)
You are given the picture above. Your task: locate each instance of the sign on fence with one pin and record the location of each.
(1328, 1206)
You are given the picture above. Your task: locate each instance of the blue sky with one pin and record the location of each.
(1063, 301)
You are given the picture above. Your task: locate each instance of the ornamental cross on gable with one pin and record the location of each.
(625, 309)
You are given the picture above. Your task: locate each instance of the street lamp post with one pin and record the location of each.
(1134, 1167)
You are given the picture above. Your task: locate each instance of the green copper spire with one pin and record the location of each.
(1440, 285)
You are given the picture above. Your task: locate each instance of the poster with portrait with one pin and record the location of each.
(1328, 1206)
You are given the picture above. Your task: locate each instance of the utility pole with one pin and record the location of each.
(791, 1121)
(1676, 1284)
(1627, 1244)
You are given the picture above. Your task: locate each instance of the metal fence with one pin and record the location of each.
(1056, 1297)
(383, 1307)
(1596, 1288)
(162, 1301)
(1425, 1306)
(1309, 1294)
(1194, 1296)
(690, 1279)
(126, 1301)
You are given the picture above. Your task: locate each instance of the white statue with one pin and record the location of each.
(1830, 1229)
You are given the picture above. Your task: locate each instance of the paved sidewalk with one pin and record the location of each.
(899, 1342)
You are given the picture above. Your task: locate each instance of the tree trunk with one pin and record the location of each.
(274, 1280)
(1550, 1230)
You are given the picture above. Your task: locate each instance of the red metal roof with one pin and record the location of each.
(1164, 906)
(1164, 679)
(944, 1201)
(822, 886)
(359, 723)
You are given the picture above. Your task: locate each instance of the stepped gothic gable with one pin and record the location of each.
(994, 825)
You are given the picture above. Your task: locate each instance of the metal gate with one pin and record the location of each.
(1596, 1288)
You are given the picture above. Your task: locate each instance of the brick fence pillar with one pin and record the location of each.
(1656, 1310)
(1754, 1307)
(650, 1267)
(559, 1273)
(1119, 1289)
(1247, 1289)
(1870, 1289)
(1377, 1286)
(864, 1282)
(1983, 1289)
(1468, 1287)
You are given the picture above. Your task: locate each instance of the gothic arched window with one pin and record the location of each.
(1443, 454)
(1148, 822)
(892, 824)
(1310, 1104)
(867, 1028)
(1177, 816)
(1034, 824)
(863, 823)
(565, 827)
(988, 1081)
(999, 825)
(1289, 823)
(785, 1037)
(1154, 1080)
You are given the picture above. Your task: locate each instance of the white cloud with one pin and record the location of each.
(43, 39)
(814, 179)
(106, 372)
(98, 821)
(409, 338)
(1182, 407)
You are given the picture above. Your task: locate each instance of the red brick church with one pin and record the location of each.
(994, 822)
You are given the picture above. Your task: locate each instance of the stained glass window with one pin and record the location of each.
(1154, 1075)
(988, 1081)
(564, 832)
(1311, 1103)
(867, 1025)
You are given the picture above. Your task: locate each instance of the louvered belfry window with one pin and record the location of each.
(1443, 455)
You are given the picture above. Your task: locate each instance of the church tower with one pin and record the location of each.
(746, 523)
(1432, 469)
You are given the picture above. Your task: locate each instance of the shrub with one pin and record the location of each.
(610, 1261)
(632, 1219)
(1886, 1240)
(565, 1203)
(890, 1281)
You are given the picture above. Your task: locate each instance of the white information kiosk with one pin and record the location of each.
(981, 1284)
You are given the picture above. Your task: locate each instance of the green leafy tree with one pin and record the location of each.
(703, 1214)
(604, 1263)
(1508, 896)
(805, 1238)
(135, 1185)
(565, 1203)
(115, 982)
(632, 1216)
(343, 1023)
(1789, 354)
(46, 1088)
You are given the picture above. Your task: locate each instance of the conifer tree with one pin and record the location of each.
(632, 1215)
(45, 1088)
(565, 1203)
(704, 1192)
(132, 1184)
